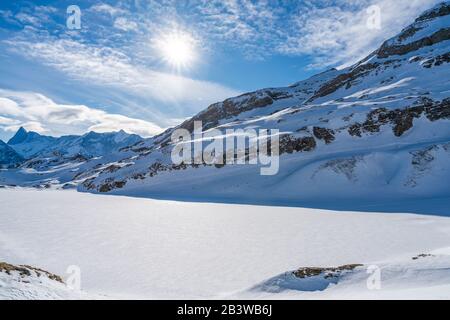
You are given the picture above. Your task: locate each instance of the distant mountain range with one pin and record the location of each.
(35, 157)
(379, 129)
(32, 144)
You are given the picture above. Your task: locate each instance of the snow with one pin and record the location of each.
(145, 248)
(17, 286)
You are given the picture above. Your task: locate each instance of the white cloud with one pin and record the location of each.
(124, 24)
(329, 32)
(38, 113)
(106, 8)
(335, 35)
(110, 67)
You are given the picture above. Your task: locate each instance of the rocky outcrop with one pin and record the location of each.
(327, 272)
(324, 134)
(111, 184)
(230, 108)
(437, 61)
(344, 79)
(290, 144)
(388, 49)
(401, 119)
(26, 271)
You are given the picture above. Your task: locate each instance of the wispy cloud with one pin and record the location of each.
(327, 32)
(110, 67)
(339, 34)
(37, 112)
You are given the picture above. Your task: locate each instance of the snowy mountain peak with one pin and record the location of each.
(441, 9)
(19, 137)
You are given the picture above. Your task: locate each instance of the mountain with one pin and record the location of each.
(8, 157)
(29, 143)
(20, 136)
(379, 129)
(64, 161)
(32, 144)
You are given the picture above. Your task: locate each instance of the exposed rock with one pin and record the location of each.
(279, 95)
(112, 168)
(439, 110)
(229, 108)
(344, 80)
(324, 134)
(25, 270)
(110, 184)
(408, 32)
(437, 61)
(387, 49)
(289, 144)
(401, 119)
(327, 272)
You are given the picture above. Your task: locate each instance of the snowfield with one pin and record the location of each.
(154, 249)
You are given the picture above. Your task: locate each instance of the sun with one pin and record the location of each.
(177, 49)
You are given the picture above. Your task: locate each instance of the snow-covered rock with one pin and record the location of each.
(23, 282)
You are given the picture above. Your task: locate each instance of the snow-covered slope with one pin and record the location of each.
(378, 128)
(8, 156)
(143, 248)
(24, 282)
(27, 144)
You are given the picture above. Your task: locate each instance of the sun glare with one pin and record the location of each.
(177, 50)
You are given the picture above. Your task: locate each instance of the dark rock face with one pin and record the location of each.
(437, 61)
(227, 109)
(110, 184)
(25, 270)
(343, 80)
(408, 32)
(289, 144)
(401, 119)
(327, 272)
(387, 50)
(439, 110)
(324, 134)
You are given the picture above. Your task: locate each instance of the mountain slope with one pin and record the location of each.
(8, 157)
(27, 144)
(64, 161)
(380, 127)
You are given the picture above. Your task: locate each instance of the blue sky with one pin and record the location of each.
(115, 72)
